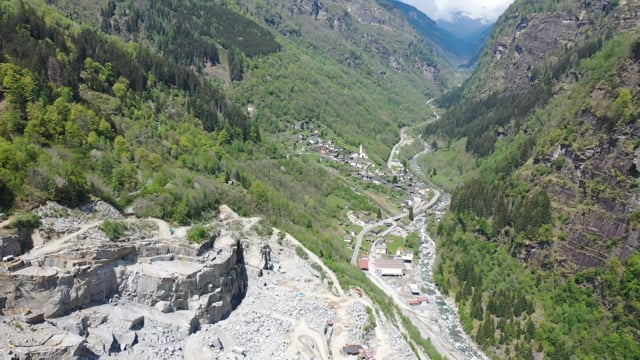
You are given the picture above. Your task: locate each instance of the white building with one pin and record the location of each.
(390, 267)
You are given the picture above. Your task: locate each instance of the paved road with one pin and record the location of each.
(368, 228)
(404, 140)
(418, 209)
(424, 321)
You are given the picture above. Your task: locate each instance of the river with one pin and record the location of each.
(446, 312)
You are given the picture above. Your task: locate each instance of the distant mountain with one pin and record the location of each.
(463, 38)
(465, 27)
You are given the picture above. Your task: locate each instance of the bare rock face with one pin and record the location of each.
(10, 246)
(57, 346)
(203, 284)
(525, 39)
(594, 184)
(155, 278)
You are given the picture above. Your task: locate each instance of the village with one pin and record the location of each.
(306, 137)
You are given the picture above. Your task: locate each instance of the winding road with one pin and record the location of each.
(420, 208)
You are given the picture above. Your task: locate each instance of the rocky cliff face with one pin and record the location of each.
(593, 176)
(176, 283)
(553, 217)
(527, 36)
(571, 65)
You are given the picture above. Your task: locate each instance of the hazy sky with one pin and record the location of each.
(476, 9)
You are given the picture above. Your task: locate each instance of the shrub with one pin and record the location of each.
(198, 233)
(28, 221)
(371, 324)
(113, 229)
(300, 252)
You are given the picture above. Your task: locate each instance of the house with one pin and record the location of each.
(407, 256)
(380, 248)
(414, 289)
(364, 263)
(390, 267)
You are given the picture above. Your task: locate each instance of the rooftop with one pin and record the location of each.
(390, 263)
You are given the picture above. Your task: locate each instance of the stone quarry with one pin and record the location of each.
(69, 292)
(74, 269)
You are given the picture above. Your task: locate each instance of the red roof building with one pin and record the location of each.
(414, 302)
(364, 263)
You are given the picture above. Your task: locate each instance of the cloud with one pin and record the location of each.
(445, 9)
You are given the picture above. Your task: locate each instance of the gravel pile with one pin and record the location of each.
(93, 234)
(57, 219)
(257, 332)
(100, 210)
(260, 328)
(163, 342)
(360, 320)
(400, 346)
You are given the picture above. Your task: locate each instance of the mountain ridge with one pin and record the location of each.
(463, 48)
(549, 214)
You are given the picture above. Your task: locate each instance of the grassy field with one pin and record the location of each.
(449, 166)
(394, 242)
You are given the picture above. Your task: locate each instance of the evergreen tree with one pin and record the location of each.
(520, 305)
(476, 305)
(531, 330)
(236, 64)
(491, 305)
(486, 331)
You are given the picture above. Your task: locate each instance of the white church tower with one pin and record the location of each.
(361, 154)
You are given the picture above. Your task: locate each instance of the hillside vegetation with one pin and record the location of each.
(540, 249)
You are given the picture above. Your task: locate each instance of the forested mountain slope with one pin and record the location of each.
(332, 52)
(178, 90)
(542, 248)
